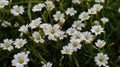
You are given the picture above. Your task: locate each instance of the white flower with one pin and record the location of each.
(16, 24)
(92, 11)
(74, 44)
(37, 37)
(78, 24)
(77, 36)
(52, 32)
(49, 5)
(104, 20)
(84, 16)
(45, 26)
(35, 23)
(6, 24)
(100, 43)
(71, 31)
(96, 22)
(20, 43)
(59, 16)
(119, 10)
(99, 1)
(38, 7)
(61, 35)
(87, 36)
(67, 50)
(17, 10)
(7, 45)
(98, 7)
(47, 65)
(76, 1)
(101, 59)
(97, 29)
(23, 29)
(71, 11)
(20, 59)
(3, 3)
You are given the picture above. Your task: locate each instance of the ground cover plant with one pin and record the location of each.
(59, 33)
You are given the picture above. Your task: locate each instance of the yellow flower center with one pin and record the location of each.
(17, 10)
(53, 31)
(58, 16)
(67, 51)
(84, 17)
(101, 59)
(75, 44)
(2, 3)
(97, 30)
(7, 45)
(20, 44)
(86, 37)
(21, 60)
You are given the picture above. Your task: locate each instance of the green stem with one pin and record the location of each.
(21, 19)
(96, 48)
(43, 16)
(38, 55)
(22, 2)
(76, 61)
(49, 15)
(29, 11)
(91, 19)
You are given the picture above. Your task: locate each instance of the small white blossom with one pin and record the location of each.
(37, 37)
(97, 29)
(38, 7)
(16, 24)
(59, 16)
(7, 45)
(67, 50)
(78, 36)
(98, 7)
(61, 35)
(78, 25)
(76, 1)
(101, 59)
(6, 24)
(75, 45)
(17, 10)
(23, 29)
(47, 65)
(119, 10)
(84, 16)
(87, 36)
(98, 1)
(71, 11)
(49, 5)
(71, 31)
(92, 11)
(3, 3)
(20, 59)
(104, 20)
(20, 43)
(35, 23)
(96, 22)
(45, 26)
(52, 31)
(100, 43)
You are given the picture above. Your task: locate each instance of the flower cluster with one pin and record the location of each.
(47, 27)
(8, 44)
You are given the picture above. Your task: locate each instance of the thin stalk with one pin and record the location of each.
(29, 11)
(76, 61)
